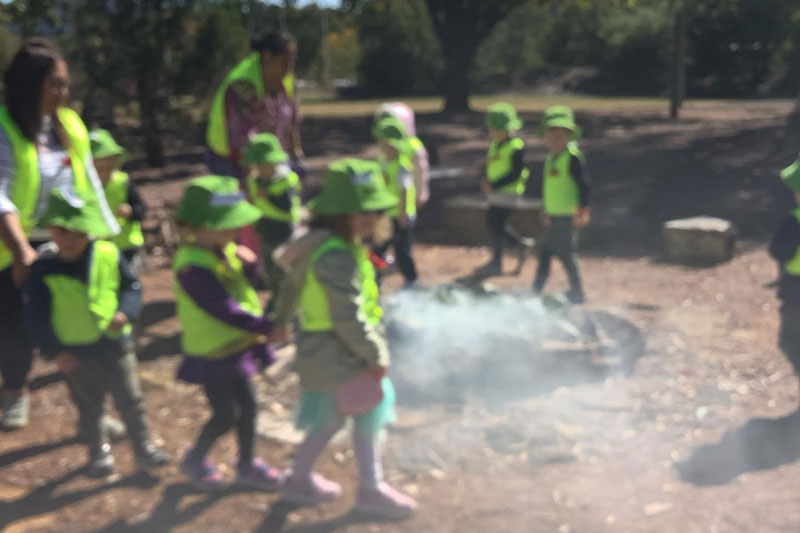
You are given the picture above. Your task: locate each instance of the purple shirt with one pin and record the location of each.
(208, 293)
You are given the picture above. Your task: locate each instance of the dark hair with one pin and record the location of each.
(276, 43)
(24, 81)
(337, 224)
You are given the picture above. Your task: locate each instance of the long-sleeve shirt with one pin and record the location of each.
(579, 172)
(203, 287)
(55, 173)
(517, 166)
(38, 312)
(783, 247)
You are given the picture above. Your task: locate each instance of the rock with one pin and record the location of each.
(465, 218)
(700, 239)
(280, 429)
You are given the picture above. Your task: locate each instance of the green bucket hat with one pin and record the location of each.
(503, 117)
(215, 202)
(560, 116)
(264, 148)
(791, 176)
(353, 186)
(68, 210)
(102, 144)
(392, 131)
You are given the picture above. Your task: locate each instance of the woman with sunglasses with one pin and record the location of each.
(43, 146)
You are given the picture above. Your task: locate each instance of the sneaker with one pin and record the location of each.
(115, 430)
(385, 502)
(310, 491)
(259, 475)
(151, 456)
(101, 462)
(16, 411)
(203, 475)
(575, 296)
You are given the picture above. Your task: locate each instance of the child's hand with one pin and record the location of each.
(279, 334)
(119, 320)
(582, 217)
(67, 362)
(124, 211)
(21, 266)
(246, 255)
(486, 187)
(378, 372)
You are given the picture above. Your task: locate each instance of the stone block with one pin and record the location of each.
(465, 218)
(700, 239)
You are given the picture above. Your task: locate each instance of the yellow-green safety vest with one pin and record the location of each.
(499, 162)
(249, 70)
(203, 335)
(289, 84)
(315, 315)
(278, 186)
(793, 266)
(391, 170)
(130, 235)
(25, 192)
(560, 194)
(79, 313)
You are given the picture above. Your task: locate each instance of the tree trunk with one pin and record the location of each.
(148, 115)
(677, 81)
(456, 80)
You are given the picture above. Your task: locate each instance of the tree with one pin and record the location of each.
(461, 26)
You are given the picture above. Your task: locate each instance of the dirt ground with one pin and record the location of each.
(700, 438)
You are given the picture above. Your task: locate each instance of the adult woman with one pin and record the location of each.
(255, 98)
(43, 146)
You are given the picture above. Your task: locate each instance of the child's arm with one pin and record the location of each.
(337, 272)
(208, 293)
(130, 295)
(138, 208)
(581, 176)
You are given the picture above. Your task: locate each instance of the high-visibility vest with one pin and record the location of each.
(130, 235)
(391, 171)
(278, 186)
(25, 193)
(204, 335)
(80, 313)
(500, 161)
(315, 315)
(561, 195)
(249, 70)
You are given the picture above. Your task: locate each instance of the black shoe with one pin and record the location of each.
(575, 296)
(101, 462)
(150, 456)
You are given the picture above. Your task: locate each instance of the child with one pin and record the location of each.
(82, 300)
(785, 248)
(342, 351)
(505, 180)
(121, 194)
(397, 172)
(565, 194)
(418, 154)
(275, 190)
(224, 330)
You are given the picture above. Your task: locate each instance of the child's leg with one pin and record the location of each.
(402, 250)
(789, 334)
(566, 253)
(245, 419)
(275, 274)
(543, 268)
(123, 381)
(88, 389)
(496, 219)
(311, 448)
(223, 404)
(367, 448)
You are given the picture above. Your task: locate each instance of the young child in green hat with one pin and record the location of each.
(393, 142)
(275, 190)
(506, 176)
(785, 249)
(82, 300)
(224, 330)
(342, 352)
(121, 194)
(565, 194)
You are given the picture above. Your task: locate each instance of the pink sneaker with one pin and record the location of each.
(260, 476)
(310, 491)
(386, 502)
